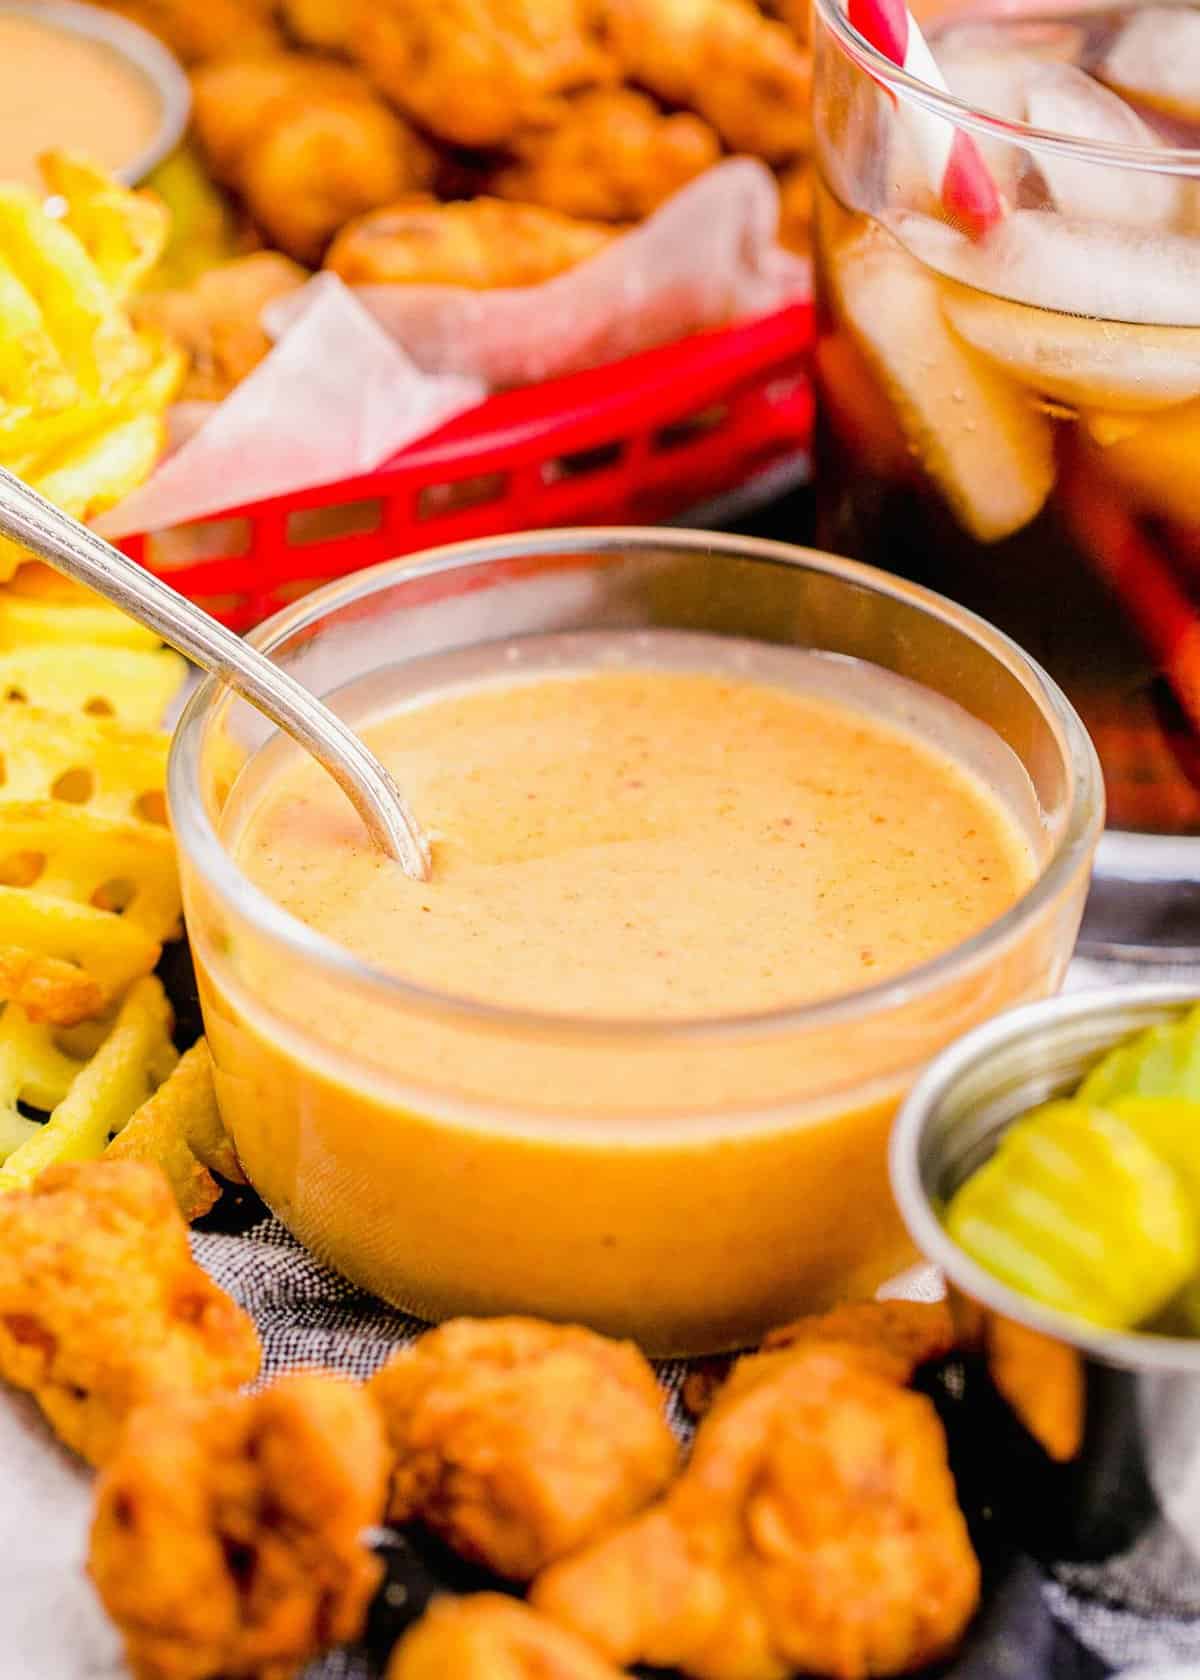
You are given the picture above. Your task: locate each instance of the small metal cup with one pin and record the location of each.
(1085, 1449)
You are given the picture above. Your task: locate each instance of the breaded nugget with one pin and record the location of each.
(229, 1534)
(102, 1307)
(614, 156)
(518, 1441)
(898, 1335)
(324, 24)
(742, 71)
(218, 319)
(491, 1637)
(307, 143)
(815, 1529)
(476, 72)
(482, 244)
(199, 30)
(232, 102)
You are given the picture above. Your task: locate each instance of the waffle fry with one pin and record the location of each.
(87, 1098)
(78, 760)
(179, 1129)
(83, 391)
(132, 685)
(124, 233)
(86, 901)
(39, 606)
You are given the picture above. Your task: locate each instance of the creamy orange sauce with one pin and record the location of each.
(648, 843)
(62, 90)
(664, 827)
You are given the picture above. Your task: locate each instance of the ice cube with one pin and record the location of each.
(1058, 262)
(976, 433)
(1063, 100)
(1093, 364)
(1156, 59)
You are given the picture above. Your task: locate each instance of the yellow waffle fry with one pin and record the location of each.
(123, 232)
(133, 685)
(64, 851)
(93, 335)
(34, 1070)
(32, 372)
(65, 962)
(94, 473)
(180, 1130)
(113, 771)
(39, 606)
(133, 1060)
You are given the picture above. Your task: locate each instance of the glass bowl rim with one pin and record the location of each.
(1159, 160)
(1132, 1350)
(202, 846)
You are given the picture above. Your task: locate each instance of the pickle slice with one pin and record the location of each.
(1076, 1211)
(1160, 1062)
(1170, 1126)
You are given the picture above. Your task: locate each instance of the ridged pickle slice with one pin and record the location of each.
(1076, 1211)
(1163, 1061)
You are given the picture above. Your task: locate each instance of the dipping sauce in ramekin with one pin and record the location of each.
(715, 871)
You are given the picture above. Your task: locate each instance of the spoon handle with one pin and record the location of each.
(29, 519)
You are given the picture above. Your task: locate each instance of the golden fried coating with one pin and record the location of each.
(815, 1529)
(323, 24)
(796, 14)
(179, 1129)
(199, 30)
(897, 1335)
(518, 1441)
(491, 1637)
(614, 156)
(218, 319)
(481, 244)
(742, 71)
(228, 1534)
(307, 143)
(102, 1307)
(476, 72)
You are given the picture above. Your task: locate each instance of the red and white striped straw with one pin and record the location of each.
(953, 162)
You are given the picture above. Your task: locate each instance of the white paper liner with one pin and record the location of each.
(356, 376)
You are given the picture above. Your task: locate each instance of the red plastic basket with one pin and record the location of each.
(635, 442)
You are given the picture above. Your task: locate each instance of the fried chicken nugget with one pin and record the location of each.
(796, 208)
(490, 1637)
(518, 1441)
(815, 1529)
(228, 1533)
(481, 244)
(323, 24)
(197, 32)
(218, 319)
(897, 1336)
(742, 71)
(307, 143)
(614, 156)
(102, 1306)
(476, 72)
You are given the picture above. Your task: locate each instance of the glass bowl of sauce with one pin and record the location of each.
(729, 838)
(75, 78)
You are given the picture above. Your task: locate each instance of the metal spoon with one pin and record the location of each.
(29, 519)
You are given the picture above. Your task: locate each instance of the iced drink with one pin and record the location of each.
(1014, 419)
